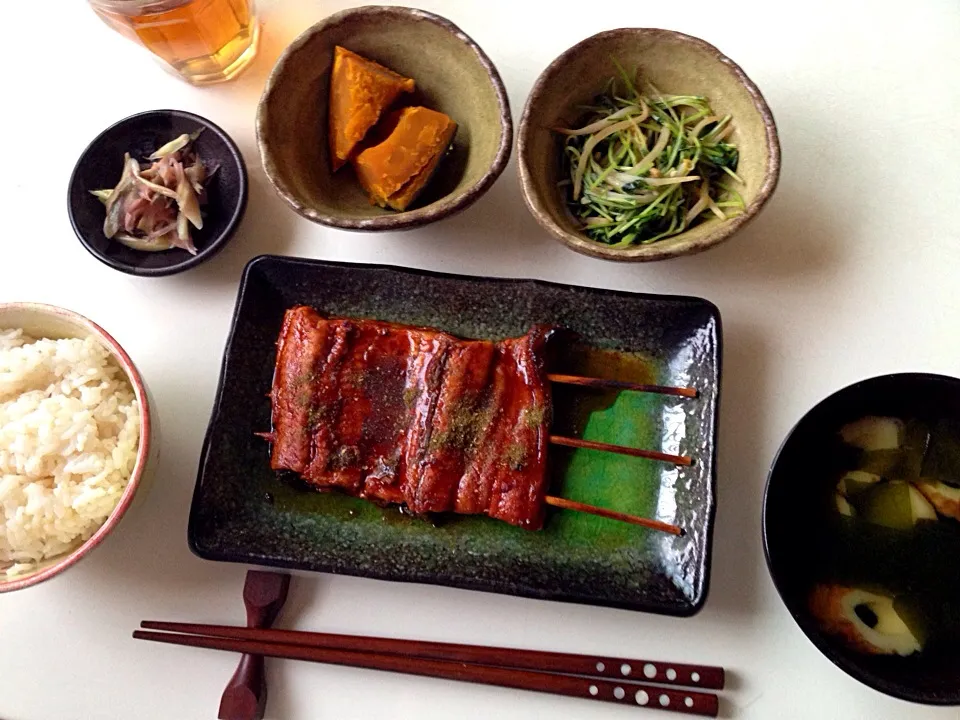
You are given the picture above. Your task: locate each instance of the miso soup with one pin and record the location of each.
(887, 524)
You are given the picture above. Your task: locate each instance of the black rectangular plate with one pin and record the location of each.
(242, 512)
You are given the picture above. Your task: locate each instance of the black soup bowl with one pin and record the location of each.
(807, 542)
(101, 164)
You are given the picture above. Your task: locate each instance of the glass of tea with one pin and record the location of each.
(205, 41)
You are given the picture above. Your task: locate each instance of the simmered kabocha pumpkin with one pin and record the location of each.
(395, 170)
(360, 91)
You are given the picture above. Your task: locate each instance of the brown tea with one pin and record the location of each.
(205, 41)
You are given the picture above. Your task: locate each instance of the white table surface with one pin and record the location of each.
(851, 271)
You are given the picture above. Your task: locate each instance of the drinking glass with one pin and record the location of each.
(205, 41)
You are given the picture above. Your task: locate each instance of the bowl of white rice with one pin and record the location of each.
(74, 439)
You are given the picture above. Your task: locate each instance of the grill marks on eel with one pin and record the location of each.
(326, 399)
(403, 415)
(426, 377)
(303, 344)
(404, 408)
(457, 423)
(344, 468)
(519, 481)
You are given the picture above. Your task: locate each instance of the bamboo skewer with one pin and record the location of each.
(603, 512)
(565, 504)
(622, 450)
(564, 441)
(684, 460)
(621, 385)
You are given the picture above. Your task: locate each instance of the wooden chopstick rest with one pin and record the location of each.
(245, 697)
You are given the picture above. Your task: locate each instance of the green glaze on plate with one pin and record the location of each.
(244, 512)
(628, 484)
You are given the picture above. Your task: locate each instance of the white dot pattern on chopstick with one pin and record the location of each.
(664, 700)
(642, 697)
(671, 674)
(594, 689)
(601, 667)
(650, 670)
(619, 693)
(625, 669)
(695, 676)
(688, 701)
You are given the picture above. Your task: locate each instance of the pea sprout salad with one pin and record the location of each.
(646, 166)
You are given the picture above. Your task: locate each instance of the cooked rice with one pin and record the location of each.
(69, 433)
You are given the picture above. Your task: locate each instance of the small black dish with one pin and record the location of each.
(100, 166)
(801, 548)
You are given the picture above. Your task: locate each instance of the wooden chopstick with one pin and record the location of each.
(624, 692)
(707, 677)
(621, 449)
(565, 504)
(621, 385)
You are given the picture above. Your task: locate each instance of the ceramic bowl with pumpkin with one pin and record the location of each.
(451, 78)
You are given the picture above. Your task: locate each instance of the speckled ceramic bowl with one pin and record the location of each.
(674, 63)
(47, 321)
(453, 75)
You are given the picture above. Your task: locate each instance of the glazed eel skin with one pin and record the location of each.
(412, 416)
